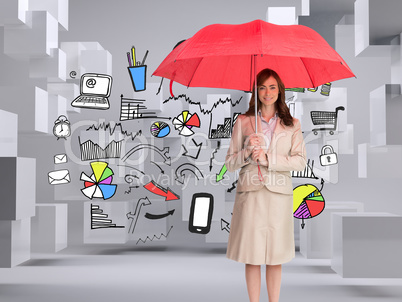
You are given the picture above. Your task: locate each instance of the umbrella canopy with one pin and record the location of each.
(229, 56)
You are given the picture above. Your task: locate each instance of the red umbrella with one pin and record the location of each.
(230, 56)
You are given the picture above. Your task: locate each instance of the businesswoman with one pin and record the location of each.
(261, 230)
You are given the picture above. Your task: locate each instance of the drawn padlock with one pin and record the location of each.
(328, 158)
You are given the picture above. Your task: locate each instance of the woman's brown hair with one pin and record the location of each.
(280, 104)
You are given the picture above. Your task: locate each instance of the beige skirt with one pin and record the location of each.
(261, 230)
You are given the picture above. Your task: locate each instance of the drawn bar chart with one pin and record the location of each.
(132, 109)
(90, 150)
(222, 130)
(99, 220)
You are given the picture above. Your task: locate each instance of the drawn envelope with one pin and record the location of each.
(59, 177)
(60, 158)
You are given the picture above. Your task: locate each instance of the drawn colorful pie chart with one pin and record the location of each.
(308, 201)
(160, 129)
(185, 121)
(99, 184)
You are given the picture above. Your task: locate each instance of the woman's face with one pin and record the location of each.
(268, 92)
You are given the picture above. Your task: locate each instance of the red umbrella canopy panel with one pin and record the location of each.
(229, 56)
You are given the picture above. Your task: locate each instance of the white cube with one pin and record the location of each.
(49, 228)
(8, 133)
(53, 67)
(96, 61)
(31, 105)
(13, 12)
(367, 245)
(15, 242)
(18, 199)
(34, 39)
(57, 8)
(315, 238)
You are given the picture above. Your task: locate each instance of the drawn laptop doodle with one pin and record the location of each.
(95, 90)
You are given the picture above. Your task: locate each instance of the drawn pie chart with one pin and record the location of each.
(185, 121)
(307, 201)
(99, 184)
(160, 129)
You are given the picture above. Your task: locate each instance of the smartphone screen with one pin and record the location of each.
(201, 213)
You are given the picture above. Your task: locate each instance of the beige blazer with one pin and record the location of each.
(285, 153)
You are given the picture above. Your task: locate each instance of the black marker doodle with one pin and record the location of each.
(233, 186)
(225, 225)
(213, 155)
(328, 118)
(60, 158)
(129, 178)
(134, 217)
(187, 167)
(132, 109)
(222, 130)
(197, 147)
(112, 129)
(90, 150)
(59, 177)
(155, 237)
(201, 210)
(162, 152)
(162, 171)
(99, 219)
(131, 167)
(204, 111)
(159, 216)
(328, 156)
(62, 127)
(95, 90)
(307, 172)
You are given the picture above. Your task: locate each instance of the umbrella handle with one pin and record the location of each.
(171, 88)
(255, 94)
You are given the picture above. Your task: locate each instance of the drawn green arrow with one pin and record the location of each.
(219, 176)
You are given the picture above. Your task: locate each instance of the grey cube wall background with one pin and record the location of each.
(47, 45)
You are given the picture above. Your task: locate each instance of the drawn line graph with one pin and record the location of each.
(113, 128)
(155, 237)
(204, 111)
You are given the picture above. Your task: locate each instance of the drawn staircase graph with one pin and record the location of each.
(99, 220)
(223, 130)
(307, 172)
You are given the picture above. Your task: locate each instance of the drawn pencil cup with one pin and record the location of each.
(138, 77)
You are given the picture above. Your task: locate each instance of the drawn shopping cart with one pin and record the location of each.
(326, 118)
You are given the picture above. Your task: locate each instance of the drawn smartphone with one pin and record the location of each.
(202, 207)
